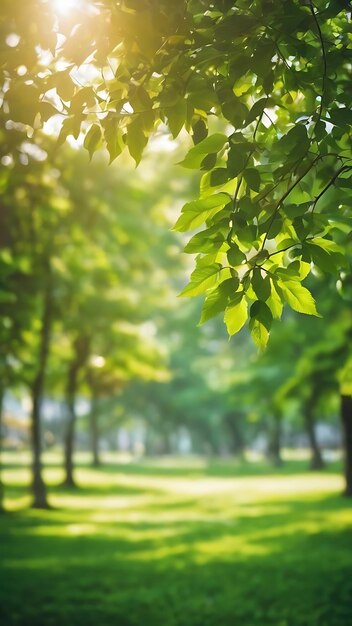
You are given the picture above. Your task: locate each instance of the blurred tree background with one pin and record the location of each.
(97, 343)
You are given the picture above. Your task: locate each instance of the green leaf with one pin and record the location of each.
(274, 302)
(252, 178)
(297, 136)
(201, 95)
(202, 278)
(298, 297)
(219, 176)
(235, 256)
(209, 145)
(217, 299)
(321, 258)
(136, 139)
(64, 84)
(23, 102)
(328, 262)
(208, 240)
(256, 110)
(259, 333)
(198, 211)
(67, 129)
(92, 139)
(247, 235)
(260, 323)
(236, 314)
(200, 131)
(208, 162)
(46, 111)
(287, 243)
(261, 312)
(140, 99)
(83, 98)
(112, 136)
(236, 159)
(341, 117)
(295, 210)
(327, 244)
(261, 284)
(176, 116)
(320, 130)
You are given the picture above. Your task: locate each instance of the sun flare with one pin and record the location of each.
(64, 7)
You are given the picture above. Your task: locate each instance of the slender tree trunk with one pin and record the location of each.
(94, 432)
(346, 418)
(237, 444)
(69, 441)
(37, 389)
(275, 440)
(38, 485)
(81, 349)
(316, 462)
(2, 508)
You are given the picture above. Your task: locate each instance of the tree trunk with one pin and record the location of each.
(69, 441)
(38, 486)
(94, 432)
(346, 418)
(81, 350)
(237, 444)
(275, 441)
(316, 462)
(2, 508)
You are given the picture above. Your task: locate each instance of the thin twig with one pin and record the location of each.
(323, 52)
(342, 169)
(287, 193)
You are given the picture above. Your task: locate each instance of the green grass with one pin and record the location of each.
(177, 544)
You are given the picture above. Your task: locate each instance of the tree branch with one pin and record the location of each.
(323, 52)
(283, 198)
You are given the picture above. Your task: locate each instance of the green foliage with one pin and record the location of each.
(196, 212)
(206, 148)
(299, 298)
(276, 186)
(236, 314)
(202, 279)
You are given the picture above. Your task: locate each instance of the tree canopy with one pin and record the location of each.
(262, 87)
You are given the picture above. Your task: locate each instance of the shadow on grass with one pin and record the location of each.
(150, 557)
(262, 565)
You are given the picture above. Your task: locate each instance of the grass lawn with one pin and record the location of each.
(175, 544)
